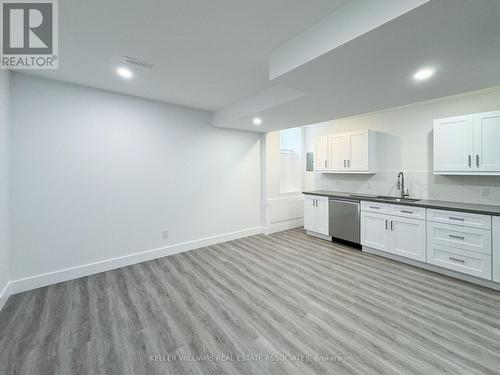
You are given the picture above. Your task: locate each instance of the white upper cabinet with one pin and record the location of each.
(486, 141)
(321, 153)
(467, 144)
(358, 150)
(453, 144)
(337, 147)
(351, 152)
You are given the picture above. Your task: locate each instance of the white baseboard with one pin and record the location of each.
(283, 225)
(38, 281)
(4, 295)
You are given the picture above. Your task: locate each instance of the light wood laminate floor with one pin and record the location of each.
(285, 294)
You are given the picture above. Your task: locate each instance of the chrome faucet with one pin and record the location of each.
(401, 185)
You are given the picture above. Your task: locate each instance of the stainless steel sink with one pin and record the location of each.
(396, 199)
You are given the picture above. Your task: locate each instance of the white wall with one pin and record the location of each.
(404, 142)
(97, 175)
(4, 183)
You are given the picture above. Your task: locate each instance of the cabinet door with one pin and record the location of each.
(322, 216)
(486, 137)
(408, 238)
(374, 231)
(496, 249)
(337, 151)
(357, 145)
(454, 144)
(309, 212)
(320, 153)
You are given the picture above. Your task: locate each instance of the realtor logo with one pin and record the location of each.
(29, 34)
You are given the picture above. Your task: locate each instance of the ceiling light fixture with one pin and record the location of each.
(124, 73)
(257, 121)
(423, 74)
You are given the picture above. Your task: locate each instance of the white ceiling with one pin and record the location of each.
(207, 53)
(216, 54)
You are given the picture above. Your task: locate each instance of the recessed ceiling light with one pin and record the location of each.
(423, 74)
(124, 73)
(257, 121)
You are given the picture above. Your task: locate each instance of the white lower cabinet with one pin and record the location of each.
(462, 242)
(495, 257)
(374, 232)
(402, 236)
(408, 238)
(316, 214)
(469, 262)
(461, 237)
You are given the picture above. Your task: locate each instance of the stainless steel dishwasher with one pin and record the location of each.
(345, 219)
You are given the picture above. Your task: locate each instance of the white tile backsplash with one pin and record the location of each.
(421, 184)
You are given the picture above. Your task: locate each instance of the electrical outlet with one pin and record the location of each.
(485, 191)
(164, 234)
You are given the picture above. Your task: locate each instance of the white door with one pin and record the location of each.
(322, 216)
(486, 141)
(357, 145)
(337, 151)
(408, 238)
(454, 144)
(375, 230)
(320, 153)
(316, 214)
(309, 212)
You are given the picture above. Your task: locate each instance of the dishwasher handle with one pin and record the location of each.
(349, 201)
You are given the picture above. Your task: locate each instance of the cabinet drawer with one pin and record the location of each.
(375, 207)
(408, 211)
(459, 218)
(472, 239)
(468, 262)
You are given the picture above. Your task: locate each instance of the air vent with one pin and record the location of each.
(137, 62)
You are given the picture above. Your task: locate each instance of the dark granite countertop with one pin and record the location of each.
(427, 203)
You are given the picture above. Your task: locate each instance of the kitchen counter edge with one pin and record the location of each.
(426, 203)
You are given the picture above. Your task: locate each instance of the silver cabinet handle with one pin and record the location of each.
(374, 207)
(477, 160)
(456, 237)
(386, 223)
(406, 212)
(344, 163)
(392, 228)
(470, 161)
(348, 163)
(326, 164)
(456, 260)
(457, 218)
